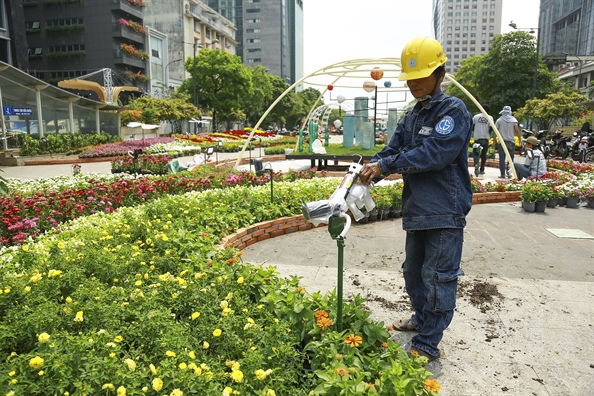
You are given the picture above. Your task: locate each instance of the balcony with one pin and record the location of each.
(124, 6)
(125, 32)
(121, 58)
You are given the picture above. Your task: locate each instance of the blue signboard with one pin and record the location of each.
(17, 111)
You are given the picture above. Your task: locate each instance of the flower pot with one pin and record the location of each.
(373, 215)
(384, 213)
(591, 203)
(562, 201)
(552, 203)
(529, 206)
(572, 202)
(540, 206)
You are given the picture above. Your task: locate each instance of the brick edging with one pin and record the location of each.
(245, 237)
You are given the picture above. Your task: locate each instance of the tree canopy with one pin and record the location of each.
(554, 107)
(505, 75)
(221, 79)
(153, 110)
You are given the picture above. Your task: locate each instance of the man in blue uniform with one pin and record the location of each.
(430, 149)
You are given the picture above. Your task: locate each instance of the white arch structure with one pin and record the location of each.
(351, 74)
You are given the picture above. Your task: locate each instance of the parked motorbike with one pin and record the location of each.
(543, 144)
(580, 144)
(560, 144)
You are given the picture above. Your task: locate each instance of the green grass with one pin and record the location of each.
(339, 149)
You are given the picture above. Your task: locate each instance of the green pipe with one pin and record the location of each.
(340, 243)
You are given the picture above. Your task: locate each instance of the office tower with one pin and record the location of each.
(465, 27)
(269, 33)
(566, 26)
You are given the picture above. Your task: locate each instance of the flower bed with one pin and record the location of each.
(143, 298)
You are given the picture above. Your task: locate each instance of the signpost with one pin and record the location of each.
(17, 111)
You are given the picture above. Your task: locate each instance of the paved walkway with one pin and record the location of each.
(524, 321)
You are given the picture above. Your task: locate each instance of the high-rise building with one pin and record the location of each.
(566, 26)
(465, 27)
(269, 33)
(566, 34)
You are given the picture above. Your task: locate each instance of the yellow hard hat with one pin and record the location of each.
(420, 57)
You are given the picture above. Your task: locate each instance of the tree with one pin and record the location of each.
(466, 76)
(253, 104)
(556, 106)
(304, 100)
(222, 80)
(152, 110)
(505, 76)
(278, 115)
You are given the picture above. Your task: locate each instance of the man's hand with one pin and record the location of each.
(369, 172)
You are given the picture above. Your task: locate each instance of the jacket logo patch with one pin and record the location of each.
(445, 126)
(426, 131)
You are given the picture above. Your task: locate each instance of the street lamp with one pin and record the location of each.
(580, 73)
(195, 86)
(219, 148)
(165, 76)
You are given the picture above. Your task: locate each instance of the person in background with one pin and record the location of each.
(508, 129)
(429, 149)
(481, 138)
(535, 164)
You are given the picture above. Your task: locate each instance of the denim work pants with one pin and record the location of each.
(483, 153)
(431, 271)
(511, 147)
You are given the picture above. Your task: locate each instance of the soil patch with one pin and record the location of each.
(480, 293)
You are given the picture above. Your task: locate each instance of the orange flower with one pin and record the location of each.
(432, 385)
(353, 340)
(342, 372)
(324, 323)
(321, 314)
(232, 260)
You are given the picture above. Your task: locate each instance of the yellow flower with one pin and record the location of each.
(157, 384)
(197, 371)
(27, 289)
(227, 391)
(192, 355)
(112, 355)
(118, 339)
(432, 385)
(35, 278)
(170, 353)
(121, 391)
(41, 372)
(237, 376)
(217, 333)
(261, 374)
(153, 369)
(36, 363)
(224, 304)
(353, 340)
(26, 248)
(68, 299)
(108, 387)
(60, 245)
(176, 392)
(205, 345)
(270, 392)
(240, 280)
(79, 317)
(12, 374)
(43, 338)
(183, 366)
(195, 315)
(131, 364)
(138, 283)
(53, 273)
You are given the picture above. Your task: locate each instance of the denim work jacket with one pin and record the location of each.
(430, 149)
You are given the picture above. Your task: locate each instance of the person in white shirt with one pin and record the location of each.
(481, 140)
(535, 164)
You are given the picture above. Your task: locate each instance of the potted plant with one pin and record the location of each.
(589, 195)
(528, 196)
(573, 194)
(383, 201)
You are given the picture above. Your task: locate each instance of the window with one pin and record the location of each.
(67, 48)
(252, 10)
(252, 1)
(449, 42)
(252, 30)
(155, 53)
(64, 22)
(449, 35)
(252, 50)
(457, 42)
(255, 20)
(32, 25)
(255, 60)
(254, 40)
